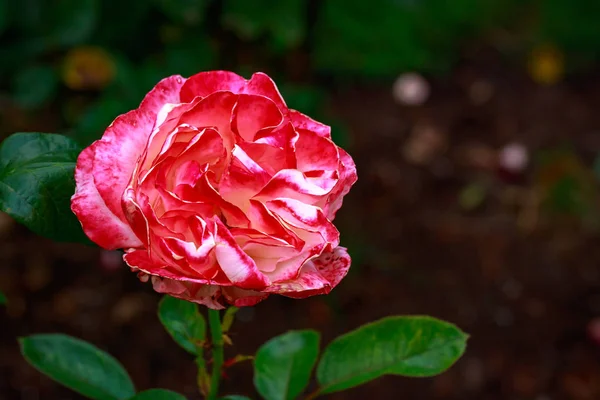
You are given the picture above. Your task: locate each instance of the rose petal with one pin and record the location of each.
(105, 168)
(316, 153)
(347, 178)
(206, 83)
(207, 295)
(262, 220)
(244, 179)
(304, 123)
(241, 297)
(141, 260)
(239, 268)
(261, 84)
(253, 113)
(306, 217)
(293, 184)
(99, 223)
(123, 142)
(317, 276)
(214, 111)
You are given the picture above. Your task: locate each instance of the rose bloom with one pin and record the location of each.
(218, 192)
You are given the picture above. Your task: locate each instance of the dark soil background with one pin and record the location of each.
(521, 279)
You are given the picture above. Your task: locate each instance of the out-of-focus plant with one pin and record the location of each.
(390, 36)
(100, 57)
(565, 185)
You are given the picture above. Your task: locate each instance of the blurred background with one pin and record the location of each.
(475, 126)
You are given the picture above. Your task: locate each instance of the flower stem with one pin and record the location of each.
(214, 322)
(202, 376)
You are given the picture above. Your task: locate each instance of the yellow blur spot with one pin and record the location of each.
(88, 68)
(546, 65)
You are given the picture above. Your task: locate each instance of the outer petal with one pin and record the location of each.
(242, 298)
(208, 295)
(316, 153)
(205, 83)
(104, 169)
(212, 296)
(304, 123)
(347, 178)
(124, 141)
(317, 276)
(97, 220)
(261, 84)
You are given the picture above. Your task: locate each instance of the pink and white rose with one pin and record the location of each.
(218, 192)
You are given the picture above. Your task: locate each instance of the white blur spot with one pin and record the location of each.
(513, 157)
(411, 89)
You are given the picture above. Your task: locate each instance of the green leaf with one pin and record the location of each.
(78, 365)
(184, 323)
(36, 184)
(409, 346)
(158, 394)
(34, 86)
(2, 298)
(283, 365)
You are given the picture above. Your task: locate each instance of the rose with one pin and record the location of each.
(218, 192)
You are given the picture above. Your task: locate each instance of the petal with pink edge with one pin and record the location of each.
(237, 265)
(215, 111)
(316, 153)
(293, 184)
(317, 276)
(208, 295)
(142, 261)
(304, 123)
(305, 217)
(105, 168)
(241, 297)
(261, 84)
(99, 223)
(348, 177)
(123, 142)
(205, 83)
(253, 113)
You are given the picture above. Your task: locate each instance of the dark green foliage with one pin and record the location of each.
(36, 184)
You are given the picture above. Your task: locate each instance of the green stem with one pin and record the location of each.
(214, 322)
(201, 376)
